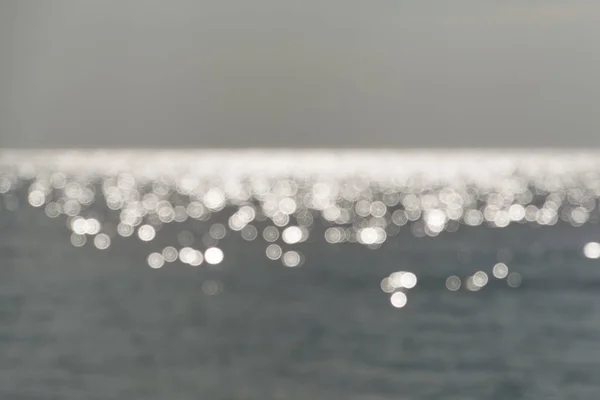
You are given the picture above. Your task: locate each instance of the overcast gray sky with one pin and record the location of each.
(310, 73)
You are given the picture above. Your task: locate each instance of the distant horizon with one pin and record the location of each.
(341, 150)
(378, 164)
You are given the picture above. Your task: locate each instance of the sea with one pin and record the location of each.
(299, 274)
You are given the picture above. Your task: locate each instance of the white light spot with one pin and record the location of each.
(281, 219)
(79, 225)
(156, 260)
(387, 286)
(213, 255)
(146, 233)
(273, 252)
(102, 241)
(592, 250)
(516, 212)
(5, 185)
(334, 235)
(125, 230)
(473, 217)
(378, 209)
(196, 258)
(363, 208)
(480, 279)
(399, 217)
(130, 217)
(331, 213)
(214, 199)
(165, 213)
(93, 226)
(292, 234)
(196, 210)
(500, 271)
(408, 280)
(37, 198)
(114, 201)
(368, 235)
(236, 223)
(271, 234)
(287, 205)
(170, 254)
(396, 279)
(186, 255)
(291, 259)
(435, 220)
(580, 215)
(398, 299)
(246, 214)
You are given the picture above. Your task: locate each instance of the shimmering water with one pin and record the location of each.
(384, 283)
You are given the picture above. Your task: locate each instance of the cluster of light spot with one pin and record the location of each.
(396, 284)
(191, 256)
(186, 255)
(360, 210)
(82, 226)
(480, 279)
(477, 281)
(367, 200)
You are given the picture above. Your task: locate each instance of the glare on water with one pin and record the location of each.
(282, 199)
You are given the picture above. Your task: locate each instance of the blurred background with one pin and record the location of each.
(266, 73)
(299, 200)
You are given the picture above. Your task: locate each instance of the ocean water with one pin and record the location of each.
(299, 275)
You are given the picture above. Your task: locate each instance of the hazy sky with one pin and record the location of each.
(310, 73)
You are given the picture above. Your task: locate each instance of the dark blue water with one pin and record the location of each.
(80, 323)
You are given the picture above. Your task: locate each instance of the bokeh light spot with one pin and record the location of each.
(146, 233)
(213, 255)
(500, 271)
(156, 260)
(273, 251)
(453, 283)
(592, 250)
(291, 259)
(398, 299)
(102, 241)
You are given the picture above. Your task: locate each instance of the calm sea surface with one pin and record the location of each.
(78, 323)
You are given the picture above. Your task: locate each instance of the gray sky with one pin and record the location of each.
(311, 73)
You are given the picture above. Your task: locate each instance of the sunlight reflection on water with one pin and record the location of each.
(286, 198)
